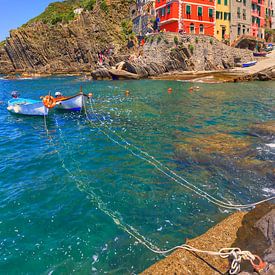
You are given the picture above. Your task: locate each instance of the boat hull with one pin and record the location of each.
(28, 107)
(260, 54)
(249, 64)
(74, 103)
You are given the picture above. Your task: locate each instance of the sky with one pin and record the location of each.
(14, 13)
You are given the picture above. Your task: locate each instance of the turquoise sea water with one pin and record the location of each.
(70, 198)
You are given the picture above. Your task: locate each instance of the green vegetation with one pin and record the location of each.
(64, 11)
(191, 48)
(159, 38)
(2, 43)
(197, 40)
(166, 41)
(127, 28)
(211, 41)
(104, 6)
(88, 4)
(176, 40)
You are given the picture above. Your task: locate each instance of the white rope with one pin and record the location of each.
(175, 177)
(236, 253)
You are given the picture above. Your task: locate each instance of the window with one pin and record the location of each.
(201, 29)
(199, 11)
(225, 2)
(163, 12)
(226, 16)
(168, 9)
(239, 12)
(219, 1)
(244, 2)
(244, 14)
(243, 29)
(210, 12)
(239, 29)
(188, 9)
(192, 28)
(218, 15)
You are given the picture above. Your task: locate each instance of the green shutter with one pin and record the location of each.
(225, 2)
(188, 9)
(210, 12)
(168, 9)
(219, 1)
(199, 11)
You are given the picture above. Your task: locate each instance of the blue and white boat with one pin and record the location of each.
(70, 103)
(249, 64)
(24, 106)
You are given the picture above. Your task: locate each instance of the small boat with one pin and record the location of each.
(260, 54)
(26, 106)
(249, 64)
(70, 103)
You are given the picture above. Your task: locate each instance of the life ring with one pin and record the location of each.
(49, 101)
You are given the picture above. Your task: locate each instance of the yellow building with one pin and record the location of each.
(222, 30)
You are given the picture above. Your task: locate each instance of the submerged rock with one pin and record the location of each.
(226, 151)
(265, 130)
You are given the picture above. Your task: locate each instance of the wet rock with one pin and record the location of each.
(121, 74)
(264, 77)
(238, 230)
(101, 74)
(228, 152)
(265, 130)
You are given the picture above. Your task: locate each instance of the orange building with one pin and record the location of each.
(190, 17)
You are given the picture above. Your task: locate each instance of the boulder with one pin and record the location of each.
(264, 76)
(121, 74)
(101, 74)
(136, 69)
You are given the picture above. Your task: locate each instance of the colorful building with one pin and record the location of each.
(240, 23)
(258, 18)
(142, 13)
(190, 16)
(222, 32)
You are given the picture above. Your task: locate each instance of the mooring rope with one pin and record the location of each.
(236, 254)
(175, 177)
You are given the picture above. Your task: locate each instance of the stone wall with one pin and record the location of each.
(173, 52)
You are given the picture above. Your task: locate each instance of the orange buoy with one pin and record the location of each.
(169, 90)
(127, 93)
(49, 101)
(90, 95)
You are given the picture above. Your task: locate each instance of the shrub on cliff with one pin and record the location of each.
(127, 28)
(88, 4)
(104, 6)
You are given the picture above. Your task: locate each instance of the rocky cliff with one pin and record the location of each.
(171, 52)
(46, 48)
(66, 47)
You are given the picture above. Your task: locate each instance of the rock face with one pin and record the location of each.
(170, 52)
(65, 48)
(74, 47)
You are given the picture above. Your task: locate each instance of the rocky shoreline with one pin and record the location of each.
(253, 231)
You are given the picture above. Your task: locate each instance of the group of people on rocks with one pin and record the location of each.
(104, 55)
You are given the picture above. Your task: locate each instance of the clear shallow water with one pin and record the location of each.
(63, 195)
